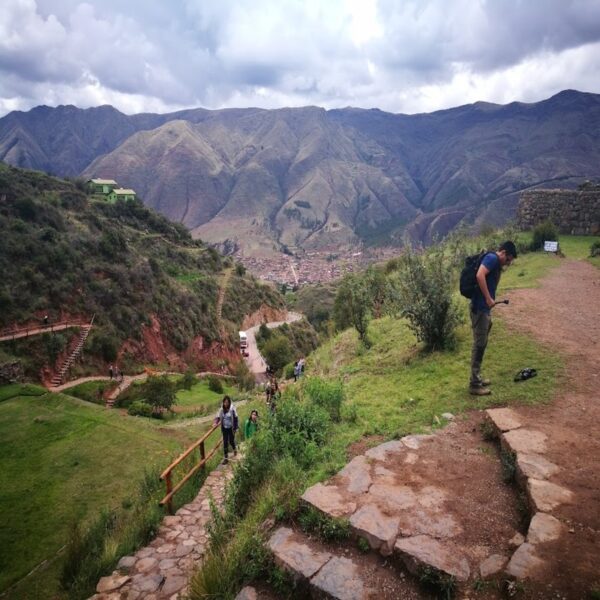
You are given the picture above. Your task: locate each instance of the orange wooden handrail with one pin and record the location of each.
(204, 458)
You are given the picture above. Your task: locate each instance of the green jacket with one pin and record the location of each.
(250, 429)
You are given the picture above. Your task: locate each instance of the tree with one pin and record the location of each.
(160, 393)
(423, 293)
(352, 306)
(277, 351)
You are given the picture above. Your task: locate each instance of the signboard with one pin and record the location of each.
(550, 246)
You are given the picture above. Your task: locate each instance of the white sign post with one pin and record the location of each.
(550, 246)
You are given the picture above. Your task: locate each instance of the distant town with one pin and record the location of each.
(313, 267)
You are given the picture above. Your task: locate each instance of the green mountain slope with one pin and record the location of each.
(152, 288)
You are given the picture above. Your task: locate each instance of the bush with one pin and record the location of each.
(277, 352)
(353, 305)
(160, 393)
(595, 248)
(188, 380)
(546, 231)
(423, 292)
(244, 378)
(214, 384)
(139, 408)
(327, 394)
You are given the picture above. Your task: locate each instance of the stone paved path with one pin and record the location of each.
(162, 569)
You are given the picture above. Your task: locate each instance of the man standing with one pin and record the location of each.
(482, 302)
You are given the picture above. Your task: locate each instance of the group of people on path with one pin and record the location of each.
(115, 373)
(227, 417)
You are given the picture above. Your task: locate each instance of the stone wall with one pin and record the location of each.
(572, 211)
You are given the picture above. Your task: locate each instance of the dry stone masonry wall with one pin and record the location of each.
(575, 212)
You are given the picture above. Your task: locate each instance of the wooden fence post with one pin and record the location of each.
(202, 454)
(169, 488)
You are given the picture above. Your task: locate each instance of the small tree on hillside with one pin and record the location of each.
(277, 352)
(423, 290)
(160, 393)
(352, 306)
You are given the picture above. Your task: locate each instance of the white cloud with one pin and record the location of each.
(401, 56)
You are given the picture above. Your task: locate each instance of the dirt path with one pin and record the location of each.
(564, 314)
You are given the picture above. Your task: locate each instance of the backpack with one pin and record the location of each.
(468, 276)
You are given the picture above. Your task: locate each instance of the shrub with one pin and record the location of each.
(595, 248)
(188, 380)
(352, 306)
(327, 394)
(160, 393)
(329, 529)
(214, 384)
(546, 231)
(139, 408)
(244, 378)
(423, 293)
(277, 352)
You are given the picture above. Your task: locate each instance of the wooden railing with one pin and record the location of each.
(204, 458)
(15, 333)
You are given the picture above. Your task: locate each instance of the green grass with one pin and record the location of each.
(201, 395)
(20, 389)
(91, 391)
(62, 461)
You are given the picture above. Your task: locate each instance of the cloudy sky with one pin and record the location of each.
(398, 55)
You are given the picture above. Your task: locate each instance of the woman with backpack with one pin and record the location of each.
(227, 417)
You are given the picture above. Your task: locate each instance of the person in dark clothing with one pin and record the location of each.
(488, 276)
(227, 417)
(110, 371)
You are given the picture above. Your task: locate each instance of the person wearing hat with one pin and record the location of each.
(484, 299)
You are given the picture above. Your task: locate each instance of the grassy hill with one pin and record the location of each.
(393, 388)
(65, 254)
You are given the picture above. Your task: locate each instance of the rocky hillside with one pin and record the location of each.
(152, 287)
(305, 177)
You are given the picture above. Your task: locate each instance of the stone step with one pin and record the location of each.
(319, 572)
(394, 497)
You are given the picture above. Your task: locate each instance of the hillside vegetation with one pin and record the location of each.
(63, 254)
(354, 397)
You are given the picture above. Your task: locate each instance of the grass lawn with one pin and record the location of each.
(91, 391)
(62, 460)
(200, 395)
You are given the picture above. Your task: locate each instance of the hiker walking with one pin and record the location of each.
(251, 426)
(110, 371)
(46, 320)
(483, 300)
(227, 417)
(297, 370)
(268, 391)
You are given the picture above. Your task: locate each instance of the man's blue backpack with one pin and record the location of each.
(468, 276)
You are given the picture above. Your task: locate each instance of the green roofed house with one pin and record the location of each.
(120, 194)
(102, 187)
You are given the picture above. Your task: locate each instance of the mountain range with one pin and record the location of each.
(307, 178)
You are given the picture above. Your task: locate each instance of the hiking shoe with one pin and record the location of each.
(479, 390)
(225, 460)
(485, 382)
(235, 452)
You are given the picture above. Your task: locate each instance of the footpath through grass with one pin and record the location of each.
(62, 460)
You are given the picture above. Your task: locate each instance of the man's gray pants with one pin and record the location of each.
(481, 323)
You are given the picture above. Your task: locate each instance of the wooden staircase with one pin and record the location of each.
(58, 379)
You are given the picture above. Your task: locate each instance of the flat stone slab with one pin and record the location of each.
(536, 466)
(296, 557)
(423, 551)
(329, 499)
(414, 442)
(544, 528)
(340, 579)
(524, 562)
(525, 440)
(357, 475)
(380, 452)
(504, 419)
(492, 565)
(378, 529)
(545, 495)
(247, 593)
(440, 525)
(111, 583)
(392, 498)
